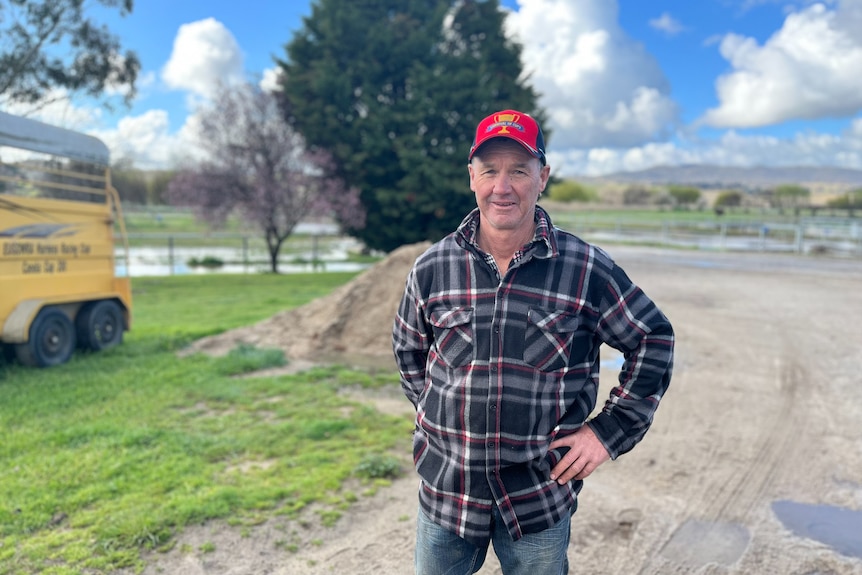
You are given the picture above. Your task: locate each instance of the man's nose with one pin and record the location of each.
(503, 182)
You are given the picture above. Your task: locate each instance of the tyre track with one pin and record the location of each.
(735, 502)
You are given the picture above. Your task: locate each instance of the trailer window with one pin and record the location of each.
(38, 175)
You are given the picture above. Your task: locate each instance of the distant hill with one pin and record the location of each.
(708, 176)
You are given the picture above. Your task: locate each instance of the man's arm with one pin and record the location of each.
(632, 323)
(411, 340)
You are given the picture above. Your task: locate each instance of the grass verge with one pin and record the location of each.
(114, 452)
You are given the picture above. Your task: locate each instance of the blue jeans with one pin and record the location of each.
(441, 552)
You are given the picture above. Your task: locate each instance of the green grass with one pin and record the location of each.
(575, 214)
(169, 220)
(115, 452)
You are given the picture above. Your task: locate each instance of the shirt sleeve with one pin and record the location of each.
(411, 340)
(632, 323)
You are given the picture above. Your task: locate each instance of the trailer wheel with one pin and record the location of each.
(100, 325)
(7, 352)
(52, 340)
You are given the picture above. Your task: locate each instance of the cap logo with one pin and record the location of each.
(504, 122)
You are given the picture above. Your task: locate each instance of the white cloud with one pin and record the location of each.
(731, 149)
(667, 24)
(600, 87)
(270, 82)
(788, 5)
(146, 139)
(809, 69)
(205, 53)
(57, 109)
(609, 103)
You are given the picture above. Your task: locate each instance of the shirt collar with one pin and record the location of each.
(544, 244)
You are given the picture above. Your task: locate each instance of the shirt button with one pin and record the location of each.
(492, 407)
(490, 444)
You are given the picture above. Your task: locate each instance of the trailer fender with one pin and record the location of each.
(17, 326)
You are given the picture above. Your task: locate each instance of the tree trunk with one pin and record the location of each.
(273, 259)
(273, 244)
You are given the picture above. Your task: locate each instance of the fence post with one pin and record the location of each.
(856, 236)
(799, 238)
(171, 254)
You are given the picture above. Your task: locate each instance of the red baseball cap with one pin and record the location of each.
(513, 125)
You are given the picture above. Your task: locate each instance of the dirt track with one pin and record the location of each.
(765, 405)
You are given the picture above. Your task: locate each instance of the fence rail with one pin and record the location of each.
(810, 236)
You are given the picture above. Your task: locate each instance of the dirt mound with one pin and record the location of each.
(351, 324)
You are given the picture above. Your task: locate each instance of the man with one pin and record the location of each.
(497, 340)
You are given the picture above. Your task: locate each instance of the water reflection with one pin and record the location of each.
(837, 527)
(163, 261)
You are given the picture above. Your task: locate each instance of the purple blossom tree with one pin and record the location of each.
(254, 165)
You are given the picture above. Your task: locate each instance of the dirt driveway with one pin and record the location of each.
(764, 414)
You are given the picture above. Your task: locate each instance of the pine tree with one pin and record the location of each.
(393, 89)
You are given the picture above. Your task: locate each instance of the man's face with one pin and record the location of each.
(507, 181)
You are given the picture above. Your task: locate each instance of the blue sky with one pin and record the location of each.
(628, 84)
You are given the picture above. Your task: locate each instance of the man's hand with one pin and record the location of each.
(585, 454)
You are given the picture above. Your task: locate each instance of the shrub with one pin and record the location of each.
(684, 195)
(789, 196)
(851, 200)
(729, 199)
(637, 196)
(378, 466)
(571, 191)
(245, 358)
(206, 262)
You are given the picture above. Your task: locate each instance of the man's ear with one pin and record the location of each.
(544, 176)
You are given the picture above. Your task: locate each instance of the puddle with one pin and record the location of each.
(167, 258)
(837, 527)
(150, 268)
(698, 543)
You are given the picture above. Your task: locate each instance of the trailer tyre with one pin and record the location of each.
(7, 352)
(100, 325)
(52, 340)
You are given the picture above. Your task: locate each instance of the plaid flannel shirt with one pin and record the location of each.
(499, 367)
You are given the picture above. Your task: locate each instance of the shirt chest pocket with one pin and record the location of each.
(453, 334)
(548, 338)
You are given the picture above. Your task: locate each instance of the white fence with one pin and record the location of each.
(841, 238)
